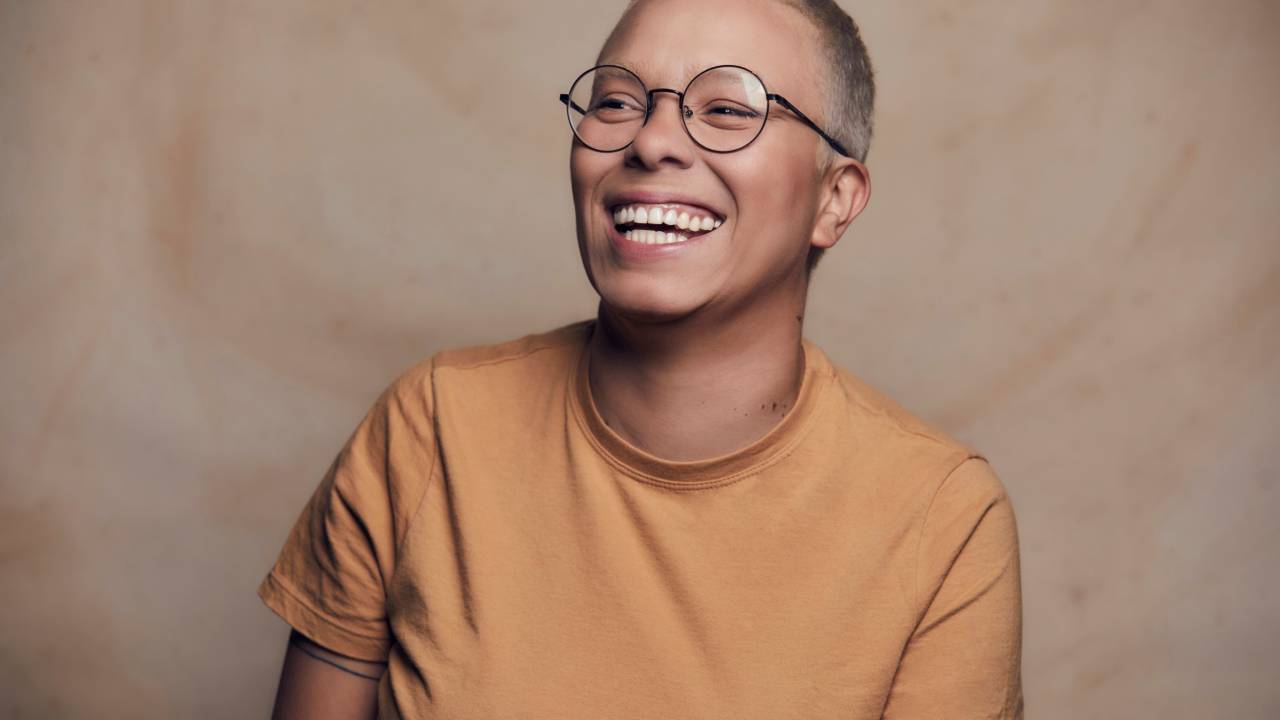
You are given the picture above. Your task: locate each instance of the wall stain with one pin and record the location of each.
(175, 176)
(1254, 302)
(62, 394)
(1030, 109)
(1069, 27)
(250, 493)
(67, 623)
(33, 542)
(1162, 194)
(1025, 371)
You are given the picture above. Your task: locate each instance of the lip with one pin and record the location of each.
(641, 252)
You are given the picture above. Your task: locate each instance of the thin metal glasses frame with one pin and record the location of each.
(685, 112)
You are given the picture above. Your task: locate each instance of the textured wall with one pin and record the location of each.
(225, 225)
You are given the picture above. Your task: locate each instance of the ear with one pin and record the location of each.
(846, 188)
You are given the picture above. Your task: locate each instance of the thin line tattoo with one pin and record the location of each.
(327, 661)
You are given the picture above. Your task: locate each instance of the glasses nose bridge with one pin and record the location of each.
(650, 102)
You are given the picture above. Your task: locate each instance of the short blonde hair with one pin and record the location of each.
(849, 87)
(850, 84)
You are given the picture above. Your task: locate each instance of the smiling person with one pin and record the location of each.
(680, 508)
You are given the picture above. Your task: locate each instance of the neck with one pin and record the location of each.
(693, 389)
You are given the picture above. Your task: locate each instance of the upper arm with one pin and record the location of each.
(964, 657)
(331, 579)
(318, 684)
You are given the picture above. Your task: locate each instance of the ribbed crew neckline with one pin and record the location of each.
(710, 472)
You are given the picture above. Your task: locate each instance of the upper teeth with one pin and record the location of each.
(655, 215)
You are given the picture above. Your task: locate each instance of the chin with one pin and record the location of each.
(648, 302)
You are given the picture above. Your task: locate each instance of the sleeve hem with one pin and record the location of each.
(319, 628)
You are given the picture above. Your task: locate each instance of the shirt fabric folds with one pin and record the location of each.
(509, 555)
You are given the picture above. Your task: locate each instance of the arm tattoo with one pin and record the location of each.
(301, 642)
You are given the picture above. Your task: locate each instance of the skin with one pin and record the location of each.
(697, 350)
(311, 687)
(699, 354)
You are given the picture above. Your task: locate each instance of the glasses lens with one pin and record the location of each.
(727, 107)
(607, 107)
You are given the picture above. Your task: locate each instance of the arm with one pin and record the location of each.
(330, 581)
(318, 684)
(964, 658)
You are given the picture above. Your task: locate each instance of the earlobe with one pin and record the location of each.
(847, 189)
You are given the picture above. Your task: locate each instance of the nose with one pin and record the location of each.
(662, 139)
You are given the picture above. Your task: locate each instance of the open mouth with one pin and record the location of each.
(663, 224)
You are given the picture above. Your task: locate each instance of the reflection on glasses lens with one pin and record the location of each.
(724, 108)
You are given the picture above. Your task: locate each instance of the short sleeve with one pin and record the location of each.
(964, 657)
(331, 579)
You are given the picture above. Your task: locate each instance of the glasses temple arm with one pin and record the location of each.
(814, 126)
(564, 98)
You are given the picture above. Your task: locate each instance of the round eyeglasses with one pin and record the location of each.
(723, 108)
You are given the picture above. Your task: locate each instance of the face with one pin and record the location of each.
(761, 202)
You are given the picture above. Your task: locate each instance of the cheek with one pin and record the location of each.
(775, 198)
(586, 169)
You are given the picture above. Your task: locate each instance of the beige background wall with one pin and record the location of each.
(225, 225)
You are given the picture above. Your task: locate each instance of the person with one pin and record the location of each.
(680, 508)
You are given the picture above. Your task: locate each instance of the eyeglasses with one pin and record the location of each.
(723, 108)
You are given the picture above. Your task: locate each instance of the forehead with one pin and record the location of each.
(667, 42)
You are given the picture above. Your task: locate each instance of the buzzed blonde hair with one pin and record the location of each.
(849, 86)
(850, 82)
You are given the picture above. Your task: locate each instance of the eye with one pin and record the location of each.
(726, 115)
(615, 103)
(730, 110)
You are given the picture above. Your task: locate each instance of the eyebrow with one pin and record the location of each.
(646, 70)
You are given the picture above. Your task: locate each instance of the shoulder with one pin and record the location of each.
(522, 350)
(891, 415)
(880, 417)
(920, 458)
(469, 372)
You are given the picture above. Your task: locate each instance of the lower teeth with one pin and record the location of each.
(654, 237)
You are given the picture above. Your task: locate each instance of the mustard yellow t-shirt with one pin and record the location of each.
(510, 556)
